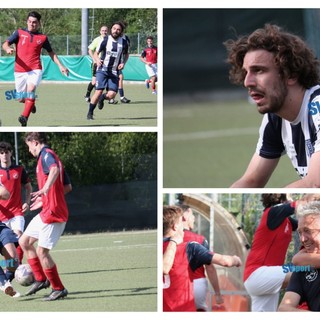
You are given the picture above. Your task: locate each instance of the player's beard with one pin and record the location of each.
(115, 35)
(276, 96)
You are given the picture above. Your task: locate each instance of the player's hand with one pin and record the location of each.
(36, 204)
(65, 71)
(219, 299)
(236, 261)
(121, 66)
(25, 207)
(10, 51)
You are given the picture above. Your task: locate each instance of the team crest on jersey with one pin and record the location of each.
(312, 275)
(16, 175)
(39, 41)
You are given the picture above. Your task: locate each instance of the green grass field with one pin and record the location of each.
(209, 145)
(102, 272)
(64, 105)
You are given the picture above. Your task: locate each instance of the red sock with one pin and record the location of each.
(37, 269)
(53, 277)
(20, 254)
(28, 106)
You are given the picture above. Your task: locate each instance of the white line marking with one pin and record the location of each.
(210, 134)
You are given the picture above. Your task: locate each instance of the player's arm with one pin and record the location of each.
(258, 173)
(28, 190)
(226, 260)
(7, 48)
(4, 193)
(312, 180)
(57, 61)
(290, 302)
(213, 278)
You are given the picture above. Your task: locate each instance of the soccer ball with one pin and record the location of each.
(24, 275)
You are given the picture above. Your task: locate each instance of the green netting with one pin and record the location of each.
(79, 67)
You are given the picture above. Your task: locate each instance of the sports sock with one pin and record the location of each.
(89, 89)
(102, 97)
(53, 277)
(28, 106)
(20, 254)
(37, 269)
(9, 275)
(91, 108)
(121, 93)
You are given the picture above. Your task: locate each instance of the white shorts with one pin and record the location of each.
(22, 79)
(152, 70)
(15, 223)
(47, 234)
(200, 288)
(264, 286)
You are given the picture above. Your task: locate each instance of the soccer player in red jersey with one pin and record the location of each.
(178, 257)
(149, 56)
(28, 69)
(198, 276)
(49, 224)
(14, 177)
(263, 274)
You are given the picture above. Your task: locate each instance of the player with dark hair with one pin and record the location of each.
(149, 56)
(49, 224)
(179, 257)
(14, 177)
(8, 243)
(263, 274)
(113, 54)
(28, 68)
(282, 76)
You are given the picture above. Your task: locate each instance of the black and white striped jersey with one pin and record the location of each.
(298, 139)
(112, 53)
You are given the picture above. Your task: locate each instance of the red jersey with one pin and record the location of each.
(269, 247)
(192, 236)
(150, 54)
(54, 208)
(178, 287)
(12, 178)
(28, 49)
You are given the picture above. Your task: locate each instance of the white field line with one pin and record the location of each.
(210, 134)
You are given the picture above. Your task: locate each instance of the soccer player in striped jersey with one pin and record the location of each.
(28, 68)
(282, 77)
(113, 50)
(91, 49)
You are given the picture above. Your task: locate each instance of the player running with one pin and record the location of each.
(28, 68)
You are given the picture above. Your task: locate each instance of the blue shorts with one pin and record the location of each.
(105, 80)
(7, 236)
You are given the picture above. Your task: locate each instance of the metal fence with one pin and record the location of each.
(71, 45)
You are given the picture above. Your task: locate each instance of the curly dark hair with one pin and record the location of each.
(291, 54)
(271, 199)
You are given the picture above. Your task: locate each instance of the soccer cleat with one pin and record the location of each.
(89, 116)
(9, 290)
(87, 98)
(154, 92)
(38, 285)
(147, 83)
(56, 294)
(112, 101)
(23, 120)
(34, 109)
(125, 100)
